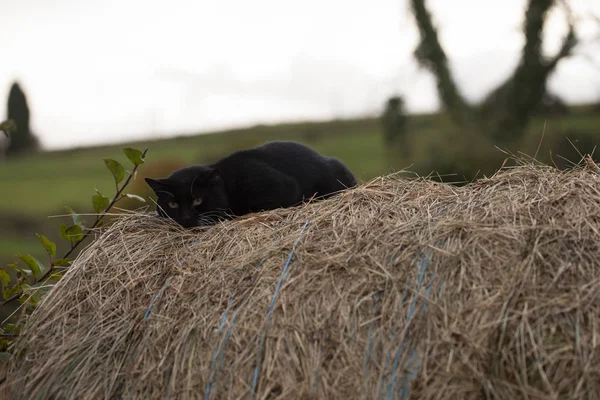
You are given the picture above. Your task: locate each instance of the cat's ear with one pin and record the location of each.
(156, 184)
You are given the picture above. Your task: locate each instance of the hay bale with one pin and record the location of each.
(399, 286)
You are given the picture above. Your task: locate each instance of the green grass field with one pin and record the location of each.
(41, 184)
(36, 186)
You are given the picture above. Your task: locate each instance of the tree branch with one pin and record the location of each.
(514, 102)
(430, 55)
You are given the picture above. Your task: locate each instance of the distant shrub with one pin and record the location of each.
(393, 120)
(22, 139)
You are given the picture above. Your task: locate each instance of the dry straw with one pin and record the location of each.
(396, 288)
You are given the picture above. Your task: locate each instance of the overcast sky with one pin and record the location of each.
(115, 70)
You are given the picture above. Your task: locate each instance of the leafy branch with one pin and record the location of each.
(75, 234)
(99, 201)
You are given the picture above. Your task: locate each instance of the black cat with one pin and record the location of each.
(270, 176)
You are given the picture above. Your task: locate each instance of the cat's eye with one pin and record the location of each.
(173, 204)
(197, 202)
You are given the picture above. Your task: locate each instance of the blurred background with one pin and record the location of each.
(432, 86)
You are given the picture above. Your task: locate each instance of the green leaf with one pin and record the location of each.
(4, 278)
(116, 169)
(49, 245)
(23, 299)
(72, 233)
(19, 269)
(7, 293)
(55, 276)
(35, 266)
(12, 328)
(34, 299)
(75, 233)
(76, 217)
(135, 196)
(134, 155)
(100, 202)
(61, 262)
(39, 289)
(63, 232)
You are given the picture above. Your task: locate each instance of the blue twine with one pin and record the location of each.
(225, 344)
(421, 274)
(147, 313)
(156, 297)
(413, 371)
(393, 336)
(217, 368)
(214, 355)
(272, 306)
(214, 370)
(411, 374)
(168, 386)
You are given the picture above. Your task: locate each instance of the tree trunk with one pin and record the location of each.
(506, 110)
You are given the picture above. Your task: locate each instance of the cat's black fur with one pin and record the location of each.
(270, 176)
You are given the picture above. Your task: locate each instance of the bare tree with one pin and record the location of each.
(506, 110)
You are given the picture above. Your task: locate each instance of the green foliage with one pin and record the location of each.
(29, 297)
(61, 262)
(20, 271)
(4, 278)
(55, 276)
(393, 121)
(116, 169)
(99, 202)
(134, 155)
(17, 289)
(49, 245)
(21, 139)
(34, 272)
(12, 329)
(34, 265)
(77, 219)
(72, 233)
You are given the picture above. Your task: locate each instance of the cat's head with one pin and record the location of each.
(191, 196)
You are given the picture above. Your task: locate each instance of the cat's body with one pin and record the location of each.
(270, 176)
